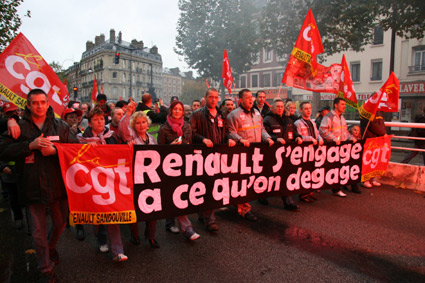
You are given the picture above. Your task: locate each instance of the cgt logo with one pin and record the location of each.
(376, 154)
(104, 180)
(20, 68)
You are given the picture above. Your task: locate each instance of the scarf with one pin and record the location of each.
(176, 125)
(99, 139)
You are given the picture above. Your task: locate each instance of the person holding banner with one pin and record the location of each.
(176, 131)
(139, 122)
(209, 128)
(281, 129)
(246, 126)
(334, 128)
(40, 180)
(308, 131)
(96, 134)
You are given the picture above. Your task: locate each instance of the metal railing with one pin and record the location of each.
(400, 125)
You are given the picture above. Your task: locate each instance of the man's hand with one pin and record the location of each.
(208, 142)
(13, 128)
(231, 143)
(354, 140)
(40, 142)
(270, 141)
(321, 141)
(282, 141)
(299, 140)
(131, 106)
(314, 141)
(48, 150)
(244, 142)
(7, 171)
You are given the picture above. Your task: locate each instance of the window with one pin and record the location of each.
(256, 58)
(115, 91)
(267, 55)
(419, 57)
(242, 81)
(355, 71)
(376, 70)
(254, 80)
(278, 79)
(265, 78)
(378, 35)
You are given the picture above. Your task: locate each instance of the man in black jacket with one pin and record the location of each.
(209, 128)
(261, 104)
(40, 181)
(158, 115)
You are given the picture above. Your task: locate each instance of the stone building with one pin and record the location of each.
(139, 69)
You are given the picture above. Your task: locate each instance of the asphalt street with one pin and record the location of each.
(377, 236)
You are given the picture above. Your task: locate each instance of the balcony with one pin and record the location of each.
(417, 69)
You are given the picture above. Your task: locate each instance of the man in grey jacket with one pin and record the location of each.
(334, 128)
(246, 126)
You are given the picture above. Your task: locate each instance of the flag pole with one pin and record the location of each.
(365, 130)
(278, 94)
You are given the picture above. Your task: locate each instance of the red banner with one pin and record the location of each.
(99, 182)
(386, 99)
(299, 75)
(376, 155)
(22, 69)
(227, 73)
(346, 88)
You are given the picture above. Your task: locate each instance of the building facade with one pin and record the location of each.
(172, 84)
(138, 70)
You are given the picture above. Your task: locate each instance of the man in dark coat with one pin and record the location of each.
(40, 181)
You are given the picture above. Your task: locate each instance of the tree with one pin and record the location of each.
(342, 24)
(206, 27)
(193, 89)
(58, 69)
(10, 21)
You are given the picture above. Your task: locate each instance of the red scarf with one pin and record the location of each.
(176, 125)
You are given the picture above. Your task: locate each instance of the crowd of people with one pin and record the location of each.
(32, 178)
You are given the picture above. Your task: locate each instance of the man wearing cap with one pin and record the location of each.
(322, 113)
(70, 116)
(40, 180)
(156, 118)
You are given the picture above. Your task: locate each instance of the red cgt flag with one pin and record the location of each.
(386, 99)
(227, 73)
(94, 92)
(22, 69)
(303, 57)
(346, 88)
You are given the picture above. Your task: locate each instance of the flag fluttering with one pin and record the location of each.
(206, 81)
(386, 99)
(302, 70)
(346, 88)
(94, 92)
(22, 69)
(227, 73)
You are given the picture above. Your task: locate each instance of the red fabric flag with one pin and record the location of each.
(208, 85)
(303, 57)
(65, 83)
(346, 88)
(99, 182)
(376, 156)
(101, 89)
(22, 69)
(227, 73)
(390, 98)
(94, 92)
(386, 99)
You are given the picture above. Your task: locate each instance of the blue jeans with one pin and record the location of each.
(114, 233)
(38, 224)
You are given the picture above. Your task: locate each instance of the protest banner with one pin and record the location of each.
(98, 182)
(22, 69)
(376, 155)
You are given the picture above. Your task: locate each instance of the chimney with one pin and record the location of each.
(102, 38)
(89, 45)
(154, 50)
(119, 38)
(112, 36)
(97, 40)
